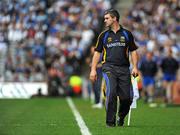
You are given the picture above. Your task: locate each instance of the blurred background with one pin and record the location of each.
(51, 42)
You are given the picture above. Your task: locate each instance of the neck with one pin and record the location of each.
(115, 27)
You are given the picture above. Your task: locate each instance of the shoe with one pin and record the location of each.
(152, 105)
(98, 105)
(109, 125)
(120, 122)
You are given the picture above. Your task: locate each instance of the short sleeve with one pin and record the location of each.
(99, 43)
(132, 45)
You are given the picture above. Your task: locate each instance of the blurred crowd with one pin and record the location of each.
(40, 39)
(39, 35)
(155, 25)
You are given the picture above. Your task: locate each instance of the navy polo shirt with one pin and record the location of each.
(116, 46)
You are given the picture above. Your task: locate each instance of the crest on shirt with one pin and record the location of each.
(122, 39)
(109, 39)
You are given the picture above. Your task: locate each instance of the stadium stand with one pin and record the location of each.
(155, 25)
(36, 36)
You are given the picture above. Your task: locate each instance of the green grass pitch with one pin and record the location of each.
(54, 117)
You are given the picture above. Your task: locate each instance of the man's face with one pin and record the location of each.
(149, 56)
(108, 20)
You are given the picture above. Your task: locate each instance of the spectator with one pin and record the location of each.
(54, 82)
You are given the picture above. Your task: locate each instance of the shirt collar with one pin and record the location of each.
(120, 29)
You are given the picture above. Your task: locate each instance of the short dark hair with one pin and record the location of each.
(113, 13)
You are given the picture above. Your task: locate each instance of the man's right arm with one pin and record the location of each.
(95, 60)
(96, 57)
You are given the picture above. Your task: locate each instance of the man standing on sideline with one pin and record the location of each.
(97, 84)
(116, 43)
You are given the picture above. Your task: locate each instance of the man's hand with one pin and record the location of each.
(93, 75)
(95, 60)
(135, 72)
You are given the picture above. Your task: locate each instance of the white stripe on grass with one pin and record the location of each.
(83, 128)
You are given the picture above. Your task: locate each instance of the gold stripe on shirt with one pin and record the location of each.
(104, 55)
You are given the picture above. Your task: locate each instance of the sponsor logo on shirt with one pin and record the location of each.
(122, 39)
(117, 44)
(109, 39)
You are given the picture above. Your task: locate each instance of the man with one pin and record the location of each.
(115, 43)
(97, 84)
(148, 68)
(169, 68)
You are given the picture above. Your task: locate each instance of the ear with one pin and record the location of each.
(114, 18)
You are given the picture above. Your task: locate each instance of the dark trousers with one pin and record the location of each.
(118, 84)
(97, 86)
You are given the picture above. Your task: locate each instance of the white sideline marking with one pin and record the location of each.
(83, 128)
